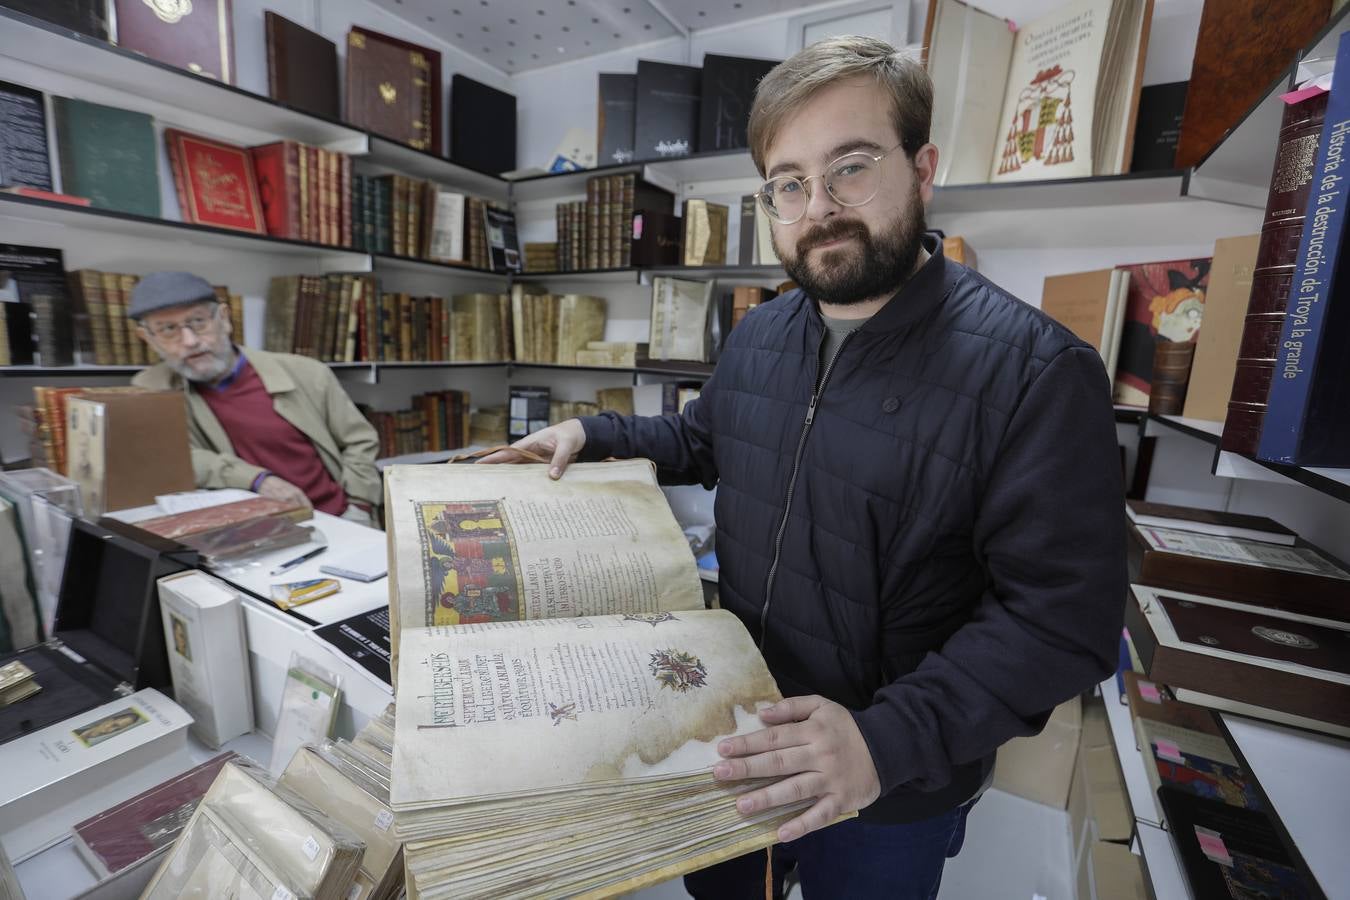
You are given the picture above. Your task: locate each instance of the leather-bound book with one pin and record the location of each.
(729, 84)
(394, 89)
(1242, 48)
(215, 182)
(1295, 665)
(200, 521)
(656, 239)
(1276, 257)
(276, 167)
(1171, 374)
(197, 35)
(108, 155)
(1219, 523)
(88, 17)
(301, 67)
(1299, 579)
(482, 126)
(147, 824)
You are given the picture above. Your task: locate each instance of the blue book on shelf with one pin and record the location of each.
(1307, 421)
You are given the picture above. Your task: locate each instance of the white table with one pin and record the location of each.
(343, 537)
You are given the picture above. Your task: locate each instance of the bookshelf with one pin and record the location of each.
(34, 42)
(1332, 482)
(33, 210)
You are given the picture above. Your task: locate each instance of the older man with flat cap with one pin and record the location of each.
(273, 423)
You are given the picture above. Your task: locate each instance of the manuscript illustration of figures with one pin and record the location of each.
(652, 619)
(558, 712)
(470, 568)
(1042, 122)
(678, 670)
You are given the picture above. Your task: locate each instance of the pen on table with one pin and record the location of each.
(292, 563)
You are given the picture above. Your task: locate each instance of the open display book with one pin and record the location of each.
(560, 686)
(1055, 98)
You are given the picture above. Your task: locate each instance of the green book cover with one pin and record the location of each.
(108, 155)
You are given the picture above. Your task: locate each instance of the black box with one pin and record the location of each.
(107, 640)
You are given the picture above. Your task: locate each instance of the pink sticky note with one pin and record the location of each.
(1303, 94)
(1211, 844)
(1149, 691)
(1169, 751)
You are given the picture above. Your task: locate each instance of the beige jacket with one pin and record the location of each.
(306, 393)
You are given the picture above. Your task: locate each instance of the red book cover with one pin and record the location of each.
(132, 830)
(1166, 302)
(215, 182)
(199, 520)
(276, 168)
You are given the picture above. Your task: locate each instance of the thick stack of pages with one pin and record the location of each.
(315, 775)
(589, 740)
(560, 686)
(253, 837)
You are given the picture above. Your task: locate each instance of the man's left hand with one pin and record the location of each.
(815, 747)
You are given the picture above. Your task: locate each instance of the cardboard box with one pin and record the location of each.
(1041, 767)
(1117, 874)
(124, 448)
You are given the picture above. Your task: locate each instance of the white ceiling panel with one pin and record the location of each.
(515, 36)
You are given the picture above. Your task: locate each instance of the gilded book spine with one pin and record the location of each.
(1276, 257)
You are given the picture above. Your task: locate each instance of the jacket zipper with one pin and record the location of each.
(792, 485)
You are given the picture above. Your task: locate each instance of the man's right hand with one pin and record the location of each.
(561, 443)
(281, 489)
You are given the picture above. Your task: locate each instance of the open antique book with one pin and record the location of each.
(1054, 98)
(560, 686)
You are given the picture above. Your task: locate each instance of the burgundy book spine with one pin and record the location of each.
(1276, 257)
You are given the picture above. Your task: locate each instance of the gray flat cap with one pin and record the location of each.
(161, 290)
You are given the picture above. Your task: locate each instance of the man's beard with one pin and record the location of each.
(221, 359)
(849, 275)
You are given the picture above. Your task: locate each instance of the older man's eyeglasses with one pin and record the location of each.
(852, 180)
(202, 325)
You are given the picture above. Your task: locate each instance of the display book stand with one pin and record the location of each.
(108, 640)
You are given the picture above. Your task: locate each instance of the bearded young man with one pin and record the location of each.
(919, 497)
(274, 423)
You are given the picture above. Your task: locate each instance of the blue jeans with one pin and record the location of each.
(852, 859)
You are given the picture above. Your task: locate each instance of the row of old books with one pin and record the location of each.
(551, 329)
(57, 318)
(392, 86)
(1236, 614)
(597, 233)
(286, 189)
(1269, 361)
(438, 420)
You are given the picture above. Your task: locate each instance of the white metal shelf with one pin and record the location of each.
(169, 231)
(1163, 864)
(1306, 777)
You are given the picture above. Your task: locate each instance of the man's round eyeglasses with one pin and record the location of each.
(201, 325)
(852, 180)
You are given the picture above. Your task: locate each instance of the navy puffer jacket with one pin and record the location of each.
(936, 542)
